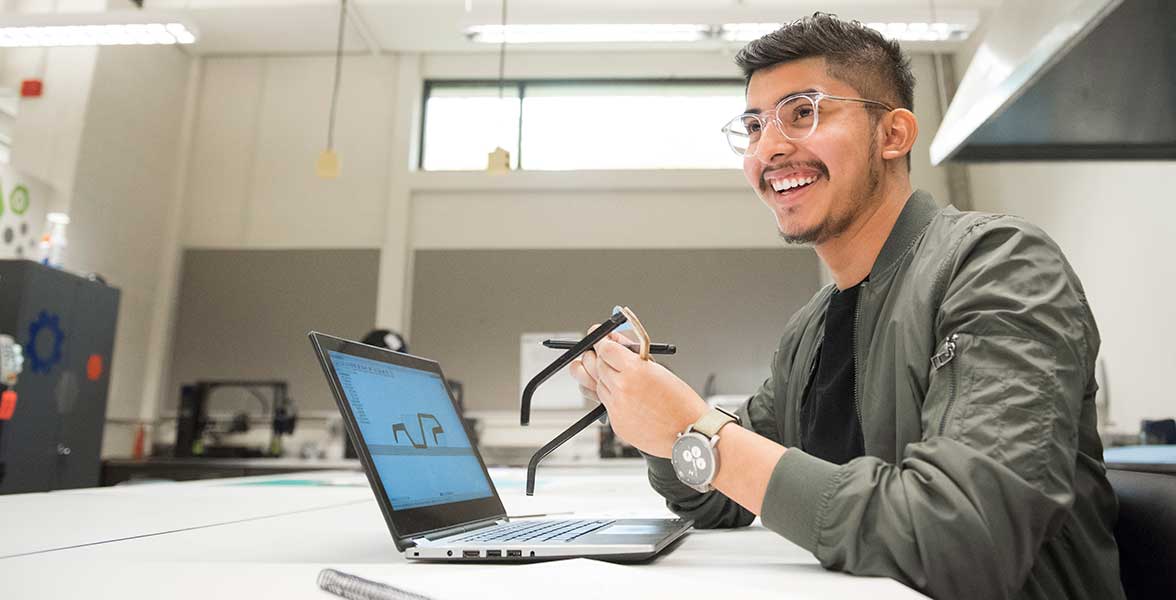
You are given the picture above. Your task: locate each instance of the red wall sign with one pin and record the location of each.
(31, 88)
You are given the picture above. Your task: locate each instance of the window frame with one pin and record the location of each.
(520, 86)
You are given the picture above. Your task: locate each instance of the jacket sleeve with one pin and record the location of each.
(966, 510)
(712, 510)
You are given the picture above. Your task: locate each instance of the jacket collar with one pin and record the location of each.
(915, 216)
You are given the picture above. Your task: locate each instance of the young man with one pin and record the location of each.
(930, 416)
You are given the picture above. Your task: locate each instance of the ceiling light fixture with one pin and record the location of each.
(902, 32)
(130, 34)
(662, 32)
(586, 33)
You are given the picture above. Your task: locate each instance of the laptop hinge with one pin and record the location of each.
(448, 531)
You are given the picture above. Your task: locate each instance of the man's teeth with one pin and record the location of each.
(786, 184)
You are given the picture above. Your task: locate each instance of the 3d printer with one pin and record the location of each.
(199, 434)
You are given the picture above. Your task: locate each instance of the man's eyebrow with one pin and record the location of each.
(756, 111)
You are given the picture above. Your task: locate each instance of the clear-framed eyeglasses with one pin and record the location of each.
(795, 117)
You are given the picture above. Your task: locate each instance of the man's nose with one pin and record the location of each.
(772, 143)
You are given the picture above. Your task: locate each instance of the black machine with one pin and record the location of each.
(194, 424)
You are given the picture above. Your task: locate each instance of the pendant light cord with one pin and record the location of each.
(338, 73)
(936, 57)
(502, 52)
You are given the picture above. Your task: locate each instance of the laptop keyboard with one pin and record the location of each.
(536, 531)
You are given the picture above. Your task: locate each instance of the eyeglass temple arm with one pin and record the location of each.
(559, 440)
(564, 360)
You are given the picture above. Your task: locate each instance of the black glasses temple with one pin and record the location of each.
(559, 440)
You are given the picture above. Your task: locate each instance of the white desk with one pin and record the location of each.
(219, 538)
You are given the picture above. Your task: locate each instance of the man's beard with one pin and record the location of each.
(835, 223)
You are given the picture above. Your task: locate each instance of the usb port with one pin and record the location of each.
(494, 554)
(469, 554)
(514, 552)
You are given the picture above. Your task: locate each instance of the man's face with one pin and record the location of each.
(840, 155)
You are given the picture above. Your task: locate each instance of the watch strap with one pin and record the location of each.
(712, 421)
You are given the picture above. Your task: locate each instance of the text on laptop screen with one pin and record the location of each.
(415, 438)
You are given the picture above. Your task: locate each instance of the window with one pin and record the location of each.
(585, 125)
(464, 123)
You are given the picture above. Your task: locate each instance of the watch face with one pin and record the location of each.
(693, 459)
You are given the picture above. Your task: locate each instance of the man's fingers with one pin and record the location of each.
(602, 367)
(589, 394)
(622, 337)
(616, 356)
(588, 359)
(580, 373)
(602, 372)
(604, 395)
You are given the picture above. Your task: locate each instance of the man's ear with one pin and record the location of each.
(899, 130)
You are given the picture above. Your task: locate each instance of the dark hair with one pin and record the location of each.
(854, 53)
(860, 56)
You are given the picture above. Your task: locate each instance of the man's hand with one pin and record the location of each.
(647, 405)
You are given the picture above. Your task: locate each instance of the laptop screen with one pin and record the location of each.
(416, 439)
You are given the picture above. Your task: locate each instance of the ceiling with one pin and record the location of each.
(229, 27)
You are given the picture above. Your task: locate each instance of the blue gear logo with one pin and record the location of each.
(52, 324)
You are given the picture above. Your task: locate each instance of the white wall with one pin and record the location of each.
(124, 199)
(260, 126)
(592, 218)
(1116, 222)
(47, 134)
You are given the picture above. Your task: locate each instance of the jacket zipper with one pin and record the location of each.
(813, 364)
(804, 390)
(941, 359)
(857, 378)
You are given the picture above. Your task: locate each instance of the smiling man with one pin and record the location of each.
(929, 416)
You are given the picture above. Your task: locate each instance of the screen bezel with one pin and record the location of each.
(404, 524)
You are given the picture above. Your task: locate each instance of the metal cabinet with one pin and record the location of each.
(66, 325)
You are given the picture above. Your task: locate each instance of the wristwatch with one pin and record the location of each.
(694, 457)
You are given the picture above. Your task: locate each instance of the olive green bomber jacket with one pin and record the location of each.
(974, 355)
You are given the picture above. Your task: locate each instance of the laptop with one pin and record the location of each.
(431, 482)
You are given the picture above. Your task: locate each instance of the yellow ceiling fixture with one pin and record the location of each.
(327, 165)
(498, 159)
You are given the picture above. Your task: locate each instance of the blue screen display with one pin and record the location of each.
(415, 438)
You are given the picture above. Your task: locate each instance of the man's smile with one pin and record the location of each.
(787, 186)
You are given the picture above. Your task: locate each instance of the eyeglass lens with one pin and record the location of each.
(796, 119)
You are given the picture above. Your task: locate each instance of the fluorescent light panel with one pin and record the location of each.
(131, 34)
(903, 32)
(731, 32)
(539, 34)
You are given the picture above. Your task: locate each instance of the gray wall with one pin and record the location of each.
(244, 314)
(724, 308)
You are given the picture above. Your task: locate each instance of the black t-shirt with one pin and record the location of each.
(829, 425)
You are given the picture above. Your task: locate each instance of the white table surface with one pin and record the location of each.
(236, 538)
